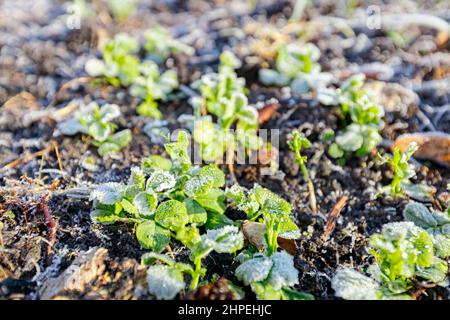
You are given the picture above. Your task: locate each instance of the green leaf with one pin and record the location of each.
(172, 215)
(152, 236)
(198, 186)
(157, 162)
(189, 236)
(335, 151)
(197, 214)
(217, 220)
(211, 172)
(104, 216)
(213, 201)
(290, 294)
(129, 207)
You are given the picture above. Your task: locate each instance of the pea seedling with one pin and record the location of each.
(360, 115)
(95, 122)
(160, 44)
(223, 95)
(296, 143)
(270, 274)
(166, 199)
(120, 65)
(403, 252)
(151, 86)
(297, 66)
(165, 281)
(402, 170)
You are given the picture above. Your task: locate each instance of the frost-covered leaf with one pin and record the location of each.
(152, 236)
(160, 181)
(224, 240)
(436, 273)
(198, 186)
(137, 177)
(164, 282)
(350, 140)
(352, 285)
(95, 67)
(145, 203)
(254, 270)
(289, 230)
(178, 151)
(327, 97)
(236, 193)
(272, 77)
(283, 272)
(121, 139)
(442, 245)
(71, 127)
(109, 112)
(423, 217)
(172, 215)
(211, 172)
(420, 215)
(108, 193)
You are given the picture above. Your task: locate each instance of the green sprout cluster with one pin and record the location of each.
(401, 168)
(223, 96)
(170, 200)
(296, 65)
(95, 122)
(121, 66)
(362, 118)
(404, 254)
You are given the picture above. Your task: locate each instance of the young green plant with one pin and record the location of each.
(95, 122)
(165, 281)
(401, 168)
(296, 144)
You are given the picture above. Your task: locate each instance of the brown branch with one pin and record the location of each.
(333, 216)
(49, 221)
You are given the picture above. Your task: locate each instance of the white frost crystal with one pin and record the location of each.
(254, 270)
(108, 193)
(352, 285)
(164, 282)
(161, 180)
(224, 240)
(283, 273)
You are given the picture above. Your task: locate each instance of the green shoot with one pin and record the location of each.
(296, 144)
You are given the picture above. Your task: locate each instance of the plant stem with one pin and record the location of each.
(312, 194)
